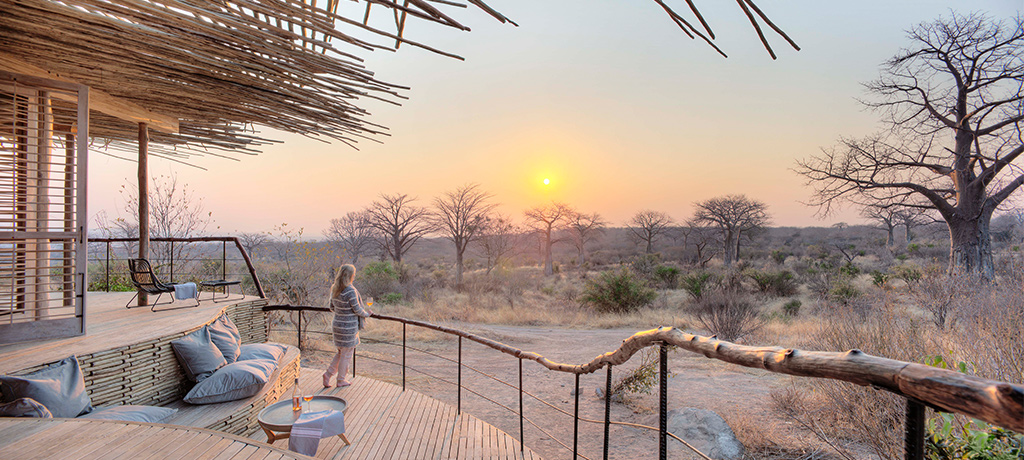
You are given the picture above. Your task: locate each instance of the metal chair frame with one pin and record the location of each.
(145, 280)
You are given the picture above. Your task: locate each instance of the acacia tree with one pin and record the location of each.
(252, 240)
(499, 240)
(400, 223)
(954, 106)
(647, 226)
(351, 235)
(462, 215)
(584, 228)
(733, 215)
(546, 220)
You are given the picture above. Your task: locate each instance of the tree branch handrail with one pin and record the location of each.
(999, 403)
(200, 239)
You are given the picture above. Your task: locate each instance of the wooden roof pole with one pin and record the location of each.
(143, 200)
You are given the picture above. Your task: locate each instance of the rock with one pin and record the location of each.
(600, 392)
(706, 431)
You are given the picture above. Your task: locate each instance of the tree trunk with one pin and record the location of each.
(970, 251)
(729, 246)
(458, 271)
(143, 200)
(549, 268)
(907, 235)
(650, 246)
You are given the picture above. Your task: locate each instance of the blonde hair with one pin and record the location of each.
(346, 274)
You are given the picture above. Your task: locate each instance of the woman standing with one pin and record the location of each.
(348, 314)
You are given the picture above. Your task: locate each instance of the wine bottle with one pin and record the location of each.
(296, 398)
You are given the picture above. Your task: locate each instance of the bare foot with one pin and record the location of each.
(343, 383)
(327, 380)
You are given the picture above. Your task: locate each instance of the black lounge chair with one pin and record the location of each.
(146, 281)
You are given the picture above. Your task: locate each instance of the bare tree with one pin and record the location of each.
(584, 228)
(702, 238)
(250, 241)
(462, 215)
(732, 215)
(647, 226)
(546, 220)
(499, 240)
(352, 235)
(910, 218)
(955, 106)
(400, 223)
(886, 219)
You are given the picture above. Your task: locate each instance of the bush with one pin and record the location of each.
(377, 279)
(729, 314)
(667, 277)
(699, 283)
(391, 298)
(909, 273)
(777, 284)
(779, 256)
(644, 265)
(617, 292)
(792, 308)
(843, 292)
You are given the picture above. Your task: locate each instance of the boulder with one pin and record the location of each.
(706, 431)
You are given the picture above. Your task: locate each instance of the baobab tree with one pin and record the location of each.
(547, 220)
(584, 228)
(400, 223)
(647, 226)
(461, 214)
(886, 218)
(351, 235)
(733, 215)
(954, 104)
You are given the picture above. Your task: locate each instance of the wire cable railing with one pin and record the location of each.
(999, 403)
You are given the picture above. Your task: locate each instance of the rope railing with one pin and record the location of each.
(999, 403)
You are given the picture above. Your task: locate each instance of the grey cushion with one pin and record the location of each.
(226, 338)
(60, 387)
(271, 351)
(198, 355)
(24, 407)
(132, 413)
(237, 380)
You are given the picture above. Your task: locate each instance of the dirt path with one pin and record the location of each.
(740, 395)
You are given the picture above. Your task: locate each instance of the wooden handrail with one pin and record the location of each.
(995, 402)
(200, 239)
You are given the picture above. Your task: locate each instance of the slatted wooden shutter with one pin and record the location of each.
(43, 144)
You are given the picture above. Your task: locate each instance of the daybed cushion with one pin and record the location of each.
(237, 380)
(198, 355)
(270, 351)
(226, 338)
(24, 407)
(132, 413)
(60, 388)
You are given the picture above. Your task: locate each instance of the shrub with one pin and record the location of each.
(699, 283)
(667, 277)
(777, 284)
(792, 308)
(391, 298)
(843, 291)
(644, 265)
(779, 256)
(617, 292)
(909, 273)
(643, 378)
(879, 279)
(378, 279)
(729, 314)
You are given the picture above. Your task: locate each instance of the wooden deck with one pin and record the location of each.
(384, 422)
(69, 439)
(109, 325)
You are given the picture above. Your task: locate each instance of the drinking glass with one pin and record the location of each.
(369, 301)
(307, 399)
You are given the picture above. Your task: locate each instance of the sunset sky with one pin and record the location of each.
(609, 100)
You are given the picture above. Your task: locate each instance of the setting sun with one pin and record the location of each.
(547, 181)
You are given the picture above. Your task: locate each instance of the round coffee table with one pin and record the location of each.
(277, 419)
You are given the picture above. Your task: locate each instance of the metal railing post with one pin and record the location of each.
(108, 267)
(914, 440)
(353, 362)
(298, 333)
(172, 261)
(576, 420)
(458, 407)
(224, 262)
(403, 356)
(663, 405)
(607, 409)
(522, 446)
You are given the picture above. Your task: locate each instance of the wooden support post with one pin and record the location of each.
(143, 199)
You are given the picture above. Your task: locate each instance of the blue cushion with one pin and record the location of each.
(132, 413)
(60, 387)
(271, 351)
(226, 338)
(197, 354)
(237, 380)
(24, 407)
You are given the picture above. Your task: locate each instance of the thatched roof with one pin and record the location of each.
(203, 73)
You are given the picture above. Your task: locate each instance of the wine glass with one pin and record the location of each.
(307, 398)
(369, 301)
